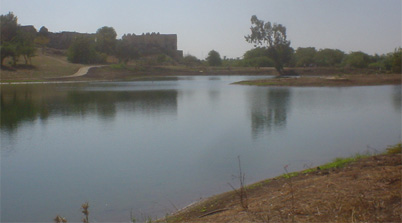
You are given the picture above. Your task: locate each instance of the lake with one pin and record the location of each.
(151, 147)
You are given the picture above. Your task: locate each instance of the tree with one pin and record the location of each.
(125, 51)
(42, 38)
(305, 56)
(357, 60)
(396, 60)
(329, 57)
(214, 59)
(9, 27)
(190, 60)
(25, 44)
(8, 32)
(274, 37)
(7, 49)
(43, 31)
(257, 57)
(82, 50)
(106, 40)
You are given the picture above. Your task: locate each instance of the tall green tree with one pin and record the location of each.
(305, 56)
(8, 27)
(396, 60)
(257, 57)
(273, 36)
(106, 40)
(82, 50)
(190, 60)
(214, 58)
(42, 39)
(126, 51)
(25, 46)
(8, 32)
(329, 57)
(357, 60)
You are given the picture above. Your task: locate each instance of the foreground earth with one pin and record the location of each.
(367, 190)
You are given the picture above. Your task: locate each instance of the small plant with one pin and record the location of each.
(85, 211)
(291, 191)
(59, 219)
(242, 191)
(394, 149)
(132, 218)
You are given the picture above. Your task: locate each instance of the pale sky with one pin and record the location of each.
(371, 26)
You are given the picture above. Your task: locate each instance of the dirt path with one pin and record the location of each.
(81, 72)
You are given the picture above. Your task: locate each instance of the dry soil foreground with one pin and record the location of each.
(368, 190)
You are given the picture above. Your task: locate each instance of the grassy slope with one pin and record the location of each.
(43, 66)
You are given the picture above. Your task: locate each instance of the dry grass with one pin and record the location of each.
(43, 66)
(366, 190)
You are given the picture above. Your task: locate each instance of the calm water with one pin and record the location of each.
(153, 146)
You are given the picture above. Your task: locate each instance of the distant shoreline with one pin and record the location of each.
(328, 81)
(309, 77)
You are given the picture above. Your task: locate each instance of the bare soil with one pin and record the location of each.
(368, 190)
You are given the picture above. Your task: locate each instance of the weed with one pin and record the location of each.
(291, 192)
(394, 149)
(118, 66)
(341, 162)
(85, 211)
(242, 191)
(132, 218)
(59, 219)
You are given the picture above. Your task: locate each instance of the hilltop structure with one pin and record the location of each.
(154, 43)
(147, 44)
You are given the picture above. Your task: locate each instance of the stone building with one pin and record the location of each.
(146, 44)
(63, 40)
(154, 43)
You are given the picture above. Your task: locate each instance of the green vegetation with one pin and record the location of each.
(272, 49)
(83, 51)
(15, 41)
(214, 59)
(190, 61)
(340, 162)
(394, 149)
(274, 36)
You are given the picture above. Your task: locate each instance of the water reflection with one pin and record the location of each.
(269, 109)
(397, 97)
(20, 104)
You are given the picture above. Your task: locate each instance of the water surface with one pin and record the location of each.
(155, 146)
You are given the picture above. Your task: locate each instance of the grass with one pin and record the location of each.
(394, 149)
(43, 66)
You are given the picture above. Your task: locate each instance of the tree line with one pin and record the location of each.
(15, 41)
(271, 49)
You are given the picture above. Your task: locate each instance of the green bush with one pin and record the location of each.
(82, 50)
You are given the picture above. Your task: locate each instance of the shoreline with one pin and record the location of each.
(271, 199)
(328, 81)
(320, 77)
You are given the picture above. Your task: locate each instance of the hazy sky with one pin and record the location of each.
(371, 26)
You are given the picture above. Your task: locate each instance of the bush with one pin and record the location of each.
(82, 50)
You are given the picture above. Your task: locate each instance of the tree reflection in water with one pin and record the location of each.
(25, 104)
(269, 109)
